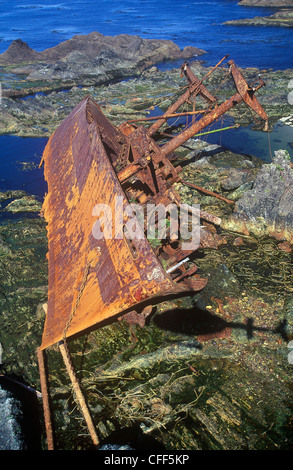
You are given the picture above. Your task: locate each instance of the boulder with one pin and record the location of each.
(267, 209)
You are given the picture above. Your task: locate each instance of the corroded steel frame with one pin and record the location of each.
(89, 161)
(121, 276)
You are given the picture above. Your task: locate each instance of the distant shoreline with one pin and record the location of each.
(283, 18)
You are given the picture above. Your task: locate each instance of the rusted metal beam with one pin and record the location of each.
(244, 93)
(78, 393)
(206, 191)
(247, 92)
(210, 218)
(45, 398)
(169, 116)
(193, 80)
(193, 89)
(208, 119)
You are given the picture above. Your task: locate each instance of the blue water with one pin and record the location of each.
(43, 24)
(14, 151)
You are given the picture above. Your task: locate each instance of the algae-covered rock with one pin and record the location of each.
(23, 284)
(267, 209)
(282, 18)
(25, 204)
(289, 315)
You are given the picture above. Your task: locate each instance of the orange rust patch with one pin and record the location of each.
(80, 175)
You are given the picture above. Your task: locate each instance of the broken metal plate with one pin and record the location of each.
(90, 279)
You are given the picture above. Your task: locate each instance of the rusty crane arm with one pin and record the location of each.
(244, 93)
(195, 87)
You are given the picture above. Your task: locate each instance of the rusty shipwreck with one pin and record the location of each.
(89, 161)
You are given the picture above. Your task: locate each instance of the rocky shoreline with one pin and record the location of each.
(267, 3)
(282, 18)
(40, 113)
(91, 59)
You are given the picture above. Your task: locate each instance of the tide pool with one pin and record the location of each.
(19, 164)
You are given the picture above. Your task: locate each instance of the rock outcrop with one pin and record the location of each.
(283, 18)
(267, 209)
(267, 3)
(92, 55)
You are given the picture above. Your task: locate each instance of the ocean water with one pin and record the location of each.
(19, 164)
(44, 24)
(10, 428)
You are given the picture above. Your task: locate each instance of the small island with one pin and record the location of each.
(283, 18)
(267, 3)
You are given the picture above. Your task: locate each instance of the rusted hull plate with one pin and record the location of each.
(80, 175)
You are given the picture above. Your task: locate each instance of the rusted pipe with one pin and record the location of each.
(192, 88)
(210, 218)
(45, 397)
(78, 393)
(169, 116)
(210, 193)
(180, 139)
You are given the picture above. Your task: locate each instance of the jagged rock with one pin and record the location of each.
(221, 283)
(25, 204)
(267, 209)
(289, 316)
(18, 51)
(93, 55)
(236, 178)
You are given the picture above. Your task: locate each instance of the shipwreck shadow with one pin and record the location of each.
(193, 321)
(200, 322)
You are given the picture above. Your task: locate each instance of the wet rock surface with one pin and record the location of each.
(40, 114)
(267, 3)
(95, 44)
(91, 59)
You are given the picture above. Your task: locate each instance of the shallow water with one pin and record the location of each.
(260, 144)
(19, 164)
(15, 151)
